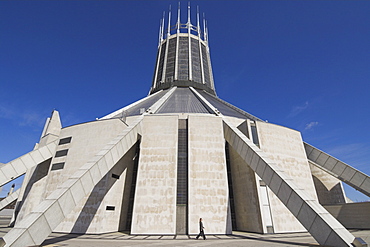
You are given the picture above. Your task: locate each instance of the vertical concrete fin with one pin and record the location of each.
(52, 211)
(9, 199)
(319, 223)
(45, 127)
(19, 166)
(52, 128)
(344, 172)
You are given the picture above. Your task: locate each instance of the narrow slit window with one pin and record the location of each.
(57, 166)
(65, 140)
(61, 153)
(110, 208)
(115, 176)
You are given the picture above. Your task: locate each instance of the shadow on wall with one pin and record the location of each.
(97, 195)
(328, 197)
(40, 171)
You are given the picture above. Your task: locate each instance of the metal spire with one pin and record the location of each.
(160, 35)
(188, 12)
(162, 26)
(189, 24)
(169, 23)
(198, 25)
(178, 19)
(207, 32)
(204, 28)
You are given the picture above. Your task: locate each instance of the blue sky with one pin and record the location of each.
(300, 64)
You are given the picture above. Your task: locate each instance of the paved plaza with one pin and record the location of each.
(236, 239)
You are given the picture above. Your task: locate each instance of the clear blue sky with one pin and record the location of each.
(300, 64)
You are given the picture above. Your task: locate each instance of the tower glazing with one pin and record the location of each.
(183, 56)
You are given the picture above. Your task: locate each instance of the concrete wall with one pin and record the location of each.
(155, 196)
(285, 147)
(87, 140)
(328, 188)
(352, 215)
(208, 187)
(92, 215)
(32, 190)
(247, 208)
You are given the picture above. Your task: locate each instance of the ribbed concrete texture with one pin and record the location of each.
(284, 148)
(155, 200)
(320, 224)
(208, 188)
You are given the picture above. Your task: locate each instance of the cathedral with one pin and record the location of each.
(156, 166)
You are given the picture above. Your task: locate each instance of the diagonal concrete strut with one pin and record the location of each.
(318, 222)
(19, 166)
(38, 225)
(344, 172)
(9, 199)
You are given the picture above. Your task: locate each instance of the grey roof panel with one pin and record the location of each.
(135, 110)
(183, 100)
(226, 108)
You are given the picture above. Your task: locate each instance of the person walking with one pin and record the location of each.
(201, 231)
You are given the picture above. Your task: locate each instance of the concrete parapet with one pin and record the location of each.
(351, 215)
(37, 225)
(319, 223)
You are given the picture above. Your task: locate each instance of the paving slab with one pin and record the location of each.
(238, 238)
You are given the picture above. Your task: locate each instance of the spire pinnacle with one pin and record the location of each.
(169, 23)
(189, 22)
(162, 27)
(178, 20)
(205, 35)
(198, 25)
(160, 35)
(189, 13)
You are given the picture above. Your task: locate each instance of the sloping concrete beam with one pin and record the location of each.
(19, 166)
(9, 199)
(318, 222)
(38, 225)
(344, 172)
